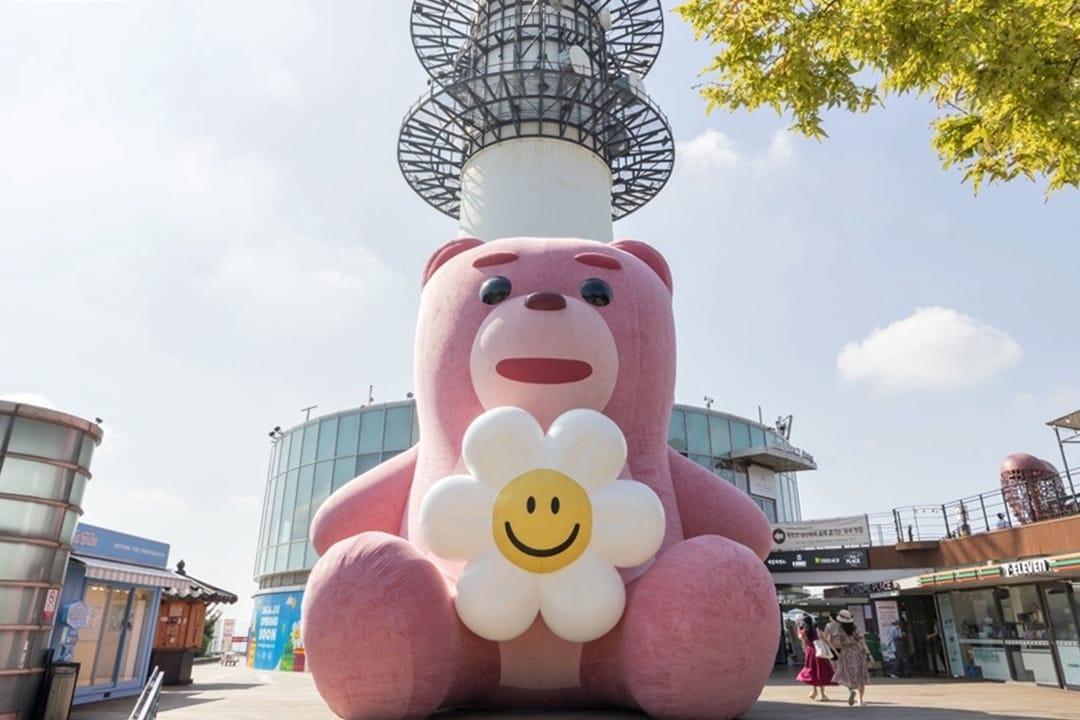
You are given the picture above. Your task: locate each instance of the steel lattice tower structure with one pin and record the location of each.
(537, 121)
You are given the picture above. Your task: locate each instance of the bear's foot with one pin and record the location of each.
(381, 635)
(700, 633)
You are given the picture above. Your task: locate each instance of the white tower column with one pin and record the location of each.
(536, 186)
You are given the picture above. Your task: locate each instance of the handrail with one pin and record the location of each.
(146, 707)
(1014, 502)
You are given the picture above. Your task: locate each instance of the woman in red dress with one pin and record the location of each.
(817, 672)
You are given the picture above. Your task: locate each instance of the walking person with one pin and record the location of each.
(851, 666)
(817, 671)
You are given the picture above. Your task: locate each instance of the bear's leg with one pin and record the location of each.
(382, 637)
(699, 635)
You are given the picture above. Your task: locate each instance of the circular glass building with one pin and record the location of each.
(44, 469)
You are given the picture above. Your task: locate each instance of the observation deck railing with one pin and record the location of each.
(977, 513)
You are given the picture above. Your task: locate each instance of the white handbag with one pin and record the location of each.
(822, 649)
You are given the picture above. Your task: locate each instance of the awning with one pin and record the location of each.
(1069, 422)
(113, 571)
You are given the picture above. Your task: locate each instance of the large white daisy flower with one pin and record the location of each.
(542, 522)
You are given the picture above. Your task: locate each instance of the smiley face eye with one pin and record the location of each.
(596, 292)
(530, 504)
(554, 506)
(495, 290)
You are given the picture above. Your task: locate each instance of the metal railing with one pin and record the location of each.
(146, 707)
(1009, 506)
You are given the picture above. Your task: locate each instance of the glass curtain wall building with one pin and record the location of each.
(44, 469)
(312, 460)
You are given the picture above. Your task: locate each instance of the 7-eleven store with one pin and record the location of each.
(1008, 620)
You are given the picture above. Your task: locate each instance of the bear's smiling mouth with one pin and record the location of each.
(549, 552)
(544, 371)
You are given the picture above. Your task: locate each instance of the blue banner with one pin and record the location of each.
(274, 641)
(98, 542)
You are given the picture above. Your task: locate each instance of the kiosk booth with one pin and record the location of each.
(108, 604)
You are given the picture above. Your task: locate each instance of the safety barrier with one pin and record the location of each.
(146, 707)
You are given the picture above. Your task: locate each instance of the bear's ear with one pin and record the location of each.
(443, 254)
(650, 256)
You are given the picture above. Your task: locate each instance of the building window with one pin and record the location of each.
(294, 448)
(288, 505)
(327, 439)
(767, 505)
(757, 436)
(348, 432)
(283, 453)
(697, 433)
(322, 485)
(740, 435)
(371, 431)
(720, 435)
(303, 502)
(398, 435)
(677, 431)
(311, 441)
(344, 471)
(42, 439)
(365, 463)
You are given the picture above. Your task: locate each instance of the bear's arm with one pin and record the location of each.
(709, 505)
(375, 501)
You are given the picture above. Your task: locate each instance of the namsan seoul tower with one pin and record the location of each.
(537, 122)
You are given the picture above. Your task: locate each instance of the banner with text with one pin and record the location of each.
(851, 531)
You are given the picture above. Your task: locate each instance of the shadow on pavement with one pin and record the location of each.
(172, 698)
(836, 707)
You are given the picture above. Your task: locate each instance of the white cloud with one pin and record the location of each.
(155, 497)
(934, 348)
(780, 150)
(29, 399)
(713, 150)
(245, 501)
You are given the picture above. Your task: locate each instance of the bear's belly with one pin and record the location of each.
(538, 660)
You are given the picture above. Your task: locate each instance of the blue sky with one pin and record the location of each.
(203, 229)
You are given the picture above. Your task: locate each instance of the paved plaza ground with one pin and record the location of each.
(241, 694)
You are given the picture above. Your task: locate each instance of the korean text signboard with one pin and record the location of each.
(835, 532)
(818, 560)
(92, 541)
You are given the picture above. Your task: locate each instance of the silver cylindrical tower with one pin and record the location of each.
(537, 121)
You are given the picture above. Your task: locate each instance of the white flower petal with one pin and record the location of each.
(502, 444)
(583, 601)
(586, 445)
(455, 518)
(628, 523)
(497, 600)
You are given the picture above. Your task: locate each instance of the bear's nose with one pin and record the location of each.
(545, 301)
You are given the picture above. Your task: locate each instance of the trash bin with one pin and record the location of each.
(57, 691)
(174, 663)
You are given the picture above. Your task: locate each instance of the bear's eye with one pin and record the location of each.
(494, 290)
(596, 292)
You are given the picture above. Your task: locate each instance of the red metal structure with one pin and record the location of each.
(1032, 488)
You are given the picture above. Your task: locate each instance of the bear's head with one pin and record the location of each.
(548, 325)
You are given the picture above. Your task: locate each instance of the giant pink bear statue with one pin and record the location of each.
(699, 633)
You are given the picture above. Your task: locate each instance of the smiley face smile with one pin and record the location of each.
(550, 552)
(542, 521)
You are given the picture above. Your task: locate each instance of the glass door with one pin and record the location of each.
(136, 627)
(1061, 599)
(114, 624)
(96, 598)
(1027, 635)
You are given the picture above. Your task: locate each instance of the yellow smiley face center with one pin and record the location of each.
(542, 521)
